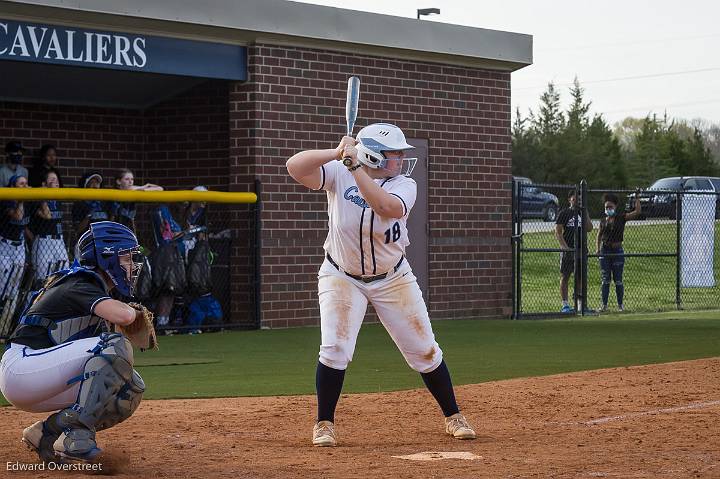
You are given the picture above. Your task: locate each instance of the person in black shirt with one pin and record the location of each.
(15, 218)
(62, 357)
(44, 163)
(610, 249)
(86, 212)
(568, 221)
(48, 250)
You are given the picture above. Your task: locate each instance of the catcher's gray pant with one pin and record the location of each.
(46, 379)
(48, 255)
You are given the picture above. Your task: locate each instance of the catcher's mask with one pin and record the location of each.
(112, 248)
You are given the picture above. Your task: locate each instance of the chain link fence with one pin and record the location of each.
(667, 257)
(201, 259)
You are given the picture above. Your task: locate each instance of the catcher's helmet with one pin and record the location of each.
(112, 248)
(374, 140)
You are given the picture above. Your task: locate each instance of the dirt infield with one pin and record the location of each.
(657, 421)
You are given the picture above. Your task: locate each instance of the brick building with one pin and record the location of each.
(235, 88)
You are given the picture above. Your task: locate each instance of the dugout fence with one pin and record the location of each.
(670, 254)
(202, 263)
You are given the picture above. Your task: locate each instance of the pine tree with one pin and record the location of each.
(699, 156)
(524, 148)
(546, 127)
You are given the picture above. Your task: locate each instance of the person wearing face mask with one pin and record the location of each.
(610, 248)
(13, 165)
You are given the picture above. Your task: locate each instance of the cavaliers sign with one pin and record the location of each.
(20, 41)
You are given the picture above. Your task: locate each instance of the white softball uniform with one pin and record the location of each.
(364, 244)
(48, 255)
(36, 380)
(12, 266)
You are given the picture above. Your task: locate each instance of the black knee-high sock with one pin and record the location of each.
(440, 385)
(328, 384)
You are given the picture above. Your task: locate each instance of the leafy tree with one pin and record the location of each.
(556, 146)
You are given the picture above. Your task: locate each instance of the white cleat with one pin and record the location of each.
(457, 426)
(324, 434)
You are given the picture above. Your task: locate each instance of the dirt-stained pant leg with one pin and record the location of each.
(401, 309)
(342, 309)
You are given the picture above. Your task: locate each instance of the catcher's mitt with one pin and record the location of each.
(140, 332)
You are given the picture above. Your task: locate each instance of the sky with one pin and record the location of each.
(633, 57)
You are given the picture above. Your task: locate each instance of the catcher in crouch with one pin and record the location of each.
(70, 352)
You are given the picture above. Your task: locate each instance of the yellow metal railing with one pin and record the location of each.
(22, 194)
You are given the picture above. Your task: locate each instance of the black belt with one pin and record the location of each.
(365, 279)
(11, 242)
(50, 236)
(613, 245)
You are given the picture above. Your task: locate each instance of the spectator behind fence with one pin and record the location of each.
(195, 216)
(13, 163)
(565, 228)
(12, 248)
(203, 304)
(48, 246)
(610, 249)
(124, 212)
(91, 211)
(45, 162)
(167, 262)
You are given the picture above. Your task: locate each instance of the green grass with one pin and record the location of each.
(282, 362)
(649, 282)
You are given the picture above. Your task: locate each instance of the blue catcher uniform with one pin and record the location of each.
(61, 357)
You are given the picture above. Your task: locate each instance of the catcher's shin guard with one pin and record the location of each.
(124, 404)
(110, 391)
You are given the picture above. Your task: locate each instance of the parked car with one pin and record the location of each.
(536, 203)
(664, 204)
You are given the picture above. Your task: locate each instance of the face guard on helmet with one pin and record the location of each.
(112, 248)
(377, 139)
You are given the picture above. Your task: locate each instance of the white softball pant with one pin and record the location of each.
(398, 301)
(12, 264)
(48, 255)
(36, 380)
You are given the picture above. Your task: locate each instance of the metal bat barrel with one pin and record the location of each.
(351, 107)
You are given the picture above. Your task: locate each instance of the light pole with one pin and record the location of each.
(427, 11)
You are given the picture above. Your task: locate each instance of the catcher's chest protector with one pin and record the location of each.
(69, 329)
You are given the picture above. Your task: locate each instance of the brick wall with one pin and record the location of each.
(295, 100)
(87, 138)
(187, 138)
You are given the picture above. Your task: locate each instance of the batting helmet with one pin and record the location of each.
(374, 140)
(112, 248)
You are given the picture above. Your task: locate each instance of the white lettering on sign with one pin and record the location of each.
(57, 43)
(4, 27)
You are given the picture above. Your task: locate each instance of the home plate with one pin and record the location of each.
(439, 456)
